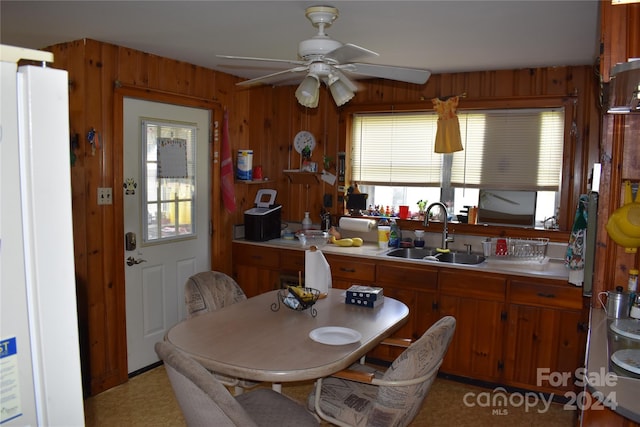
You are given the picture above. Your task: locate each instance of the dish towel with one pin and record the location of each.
(574, 258)
(226, 168)
(448, 138)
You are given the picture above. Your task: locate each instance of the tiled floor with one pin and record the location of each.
(147, 400)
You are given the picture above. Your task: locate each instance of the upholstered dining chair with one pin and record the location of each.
(204, 401)
(209, 291)
(362, 396)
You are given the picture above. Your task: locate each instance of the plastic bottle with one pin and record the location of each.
(394, 235)
(306, 222)
(632, 286)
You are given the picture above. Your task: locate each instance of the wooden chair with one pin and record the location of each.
(360, 394)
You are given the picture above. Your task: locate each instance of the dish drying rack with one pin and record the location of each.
(517, 249)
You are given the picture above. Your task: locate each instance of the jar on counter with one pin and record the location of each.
(632, 285)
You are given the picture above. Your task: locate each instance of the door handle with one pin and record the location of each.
(131, 261)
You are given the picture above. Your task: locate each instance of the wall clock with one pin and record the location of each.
(304, 139)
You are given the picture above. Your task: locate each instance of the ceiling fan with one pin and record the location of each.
(327, 60)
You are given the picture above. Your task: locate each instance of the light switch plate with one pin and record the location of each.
(105, 196)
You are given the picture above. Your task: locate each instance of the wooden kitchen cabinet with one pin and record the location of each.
(477, 301)
(416, 286)
(546, 331)
(256, 268)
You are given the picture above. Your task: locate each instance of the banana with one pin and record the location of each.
(304, 296)
(357, 241)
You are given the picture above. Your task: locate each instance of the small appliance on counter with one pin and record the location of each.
(263, 221)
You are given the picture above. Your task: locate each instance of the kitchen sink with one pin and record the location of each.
(411, 253)
(460, 258)
(433, 255)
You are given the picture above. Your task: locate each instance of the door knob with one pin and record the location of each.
(131, 261)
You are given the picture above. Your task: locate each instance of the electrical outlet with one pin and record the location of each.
(105, 196)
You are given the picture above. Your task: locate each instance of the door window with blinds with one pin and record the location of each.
(169, 187)
(393, 159)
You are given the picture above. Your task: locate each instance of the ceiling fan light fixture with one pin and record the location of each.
(339, 90)
(308, 92)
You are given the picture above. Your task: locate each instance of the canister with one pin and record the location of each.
(617, 304)
(244, 169)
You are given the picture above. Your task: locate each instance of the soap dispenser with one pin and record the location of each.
(306, 222)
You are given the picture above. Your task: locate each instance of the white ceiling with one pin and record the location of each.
(441, 36)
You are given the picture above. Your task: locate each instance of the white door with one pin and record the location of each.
(166, 217)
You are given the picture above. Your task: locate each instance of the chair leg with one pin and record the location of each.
(319, 411)
(277, 387)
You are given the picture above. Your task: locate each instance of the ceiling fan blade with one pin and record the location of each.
(409, 75)
(348, 52)
(251, 58)
(275, 77)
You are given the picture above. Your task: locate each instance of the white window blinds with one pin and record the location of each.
(519, 149)
(395, 149)
(510, 149)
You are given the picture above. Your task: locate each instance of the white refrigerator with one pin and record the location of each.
(40, 378)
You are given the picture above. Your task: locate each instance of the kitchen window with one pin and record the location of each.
(393, 159)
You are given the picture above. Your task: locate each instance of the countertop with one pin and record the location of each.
(552, 268)
(618, 393)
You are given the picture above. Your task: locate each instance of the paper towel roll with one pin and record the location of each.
(357, 224)
(317, 272)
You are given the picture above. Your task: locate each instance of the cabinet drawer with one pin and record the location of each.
(256, 255)
(416, 277)
(292, 260)
(478, 285)
(545, 295)
(354, 269)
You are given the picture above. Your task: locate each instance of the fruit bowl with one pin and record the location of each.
(317, 238)
(297, 298)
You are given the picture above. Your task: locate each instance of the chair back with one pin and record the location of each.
(398, 406)
(209, 291)
(202, 399)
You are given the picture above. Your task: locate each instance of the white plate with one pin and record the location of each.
(629, 328)
(335, 335)
(628, 359)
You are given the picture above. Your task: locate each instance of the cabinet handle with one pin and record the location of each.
(543, 295)
(348, 270)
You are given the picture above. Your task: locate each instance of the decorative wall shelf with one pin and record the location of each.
(297, 177)
(255, 181)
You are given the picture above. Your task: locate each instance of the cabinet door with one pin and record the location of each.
(255, 268)
(546, 339)
(476, 348)
(256, 280)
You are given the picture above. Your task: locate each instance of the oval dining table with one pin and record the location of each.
(261, 339)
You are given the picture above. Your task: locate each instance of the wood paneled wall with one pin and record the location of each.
(619, 146)
(262, 119)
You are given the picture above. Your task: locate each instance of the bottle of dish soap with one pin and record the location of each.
(394, 235)
(306, 222)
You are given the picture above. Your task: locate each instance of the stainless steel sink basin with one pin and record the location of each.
(460, 258)
(411, 253)
(433, 255)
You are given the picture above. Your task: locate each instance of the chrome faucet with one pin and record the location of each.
(445, 232)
